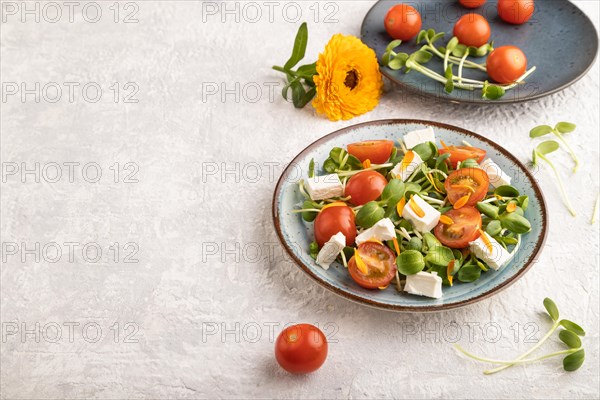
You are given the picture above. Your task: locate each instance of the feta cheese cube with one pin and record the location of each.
(496, 258)
(405, 173)
(414, 138)
(497, 176)
(425, 223)
(324, 187)
(330, 250)
(383, 230)
(424, 284)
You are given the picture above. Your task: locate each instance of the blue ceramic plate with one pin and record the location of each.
(560, 40)
(296, 235)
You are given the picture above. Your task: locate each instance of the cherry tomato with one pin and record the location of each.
(506, 64)
(465, 226)
(376, 151)
(402, 22)
(471, 3)
(380, 263)
(472, 30)
(333, 220)
(365, 186)
(301, 349)
(472, 182)
(516, 11)
(462, 153)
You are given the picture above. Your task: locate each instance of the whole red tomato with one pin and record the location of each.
(301, 349)
(506, 64)
(402, 22)
(332, 220)
(516, 11)
(365, 186)
(472, 30)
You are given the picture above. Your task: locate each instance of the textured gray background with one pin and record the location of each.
(211, 282)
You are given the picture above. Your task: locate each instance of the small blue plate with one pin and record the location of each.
(296, 235)
(559, 39)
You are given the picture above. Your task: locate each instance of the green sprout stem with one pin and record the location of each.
(455, 60)
(560, 184)
(569, 148)
(474, 84)
(528, 352)
(516, 361)
(460, 67)
(373, 167)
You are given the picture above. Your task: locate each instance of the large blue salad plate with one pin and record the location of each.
(559, 39)
(296, 235)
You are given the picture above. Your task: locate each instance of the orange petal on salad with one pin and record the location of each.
(444, 145)
(469, 188)
(462, 202)
(415, 207)
(374, 241)
(450, 268)
(446, 220)
(396, 247)
(487, 241)
(336, 204)
(408, 158)
(432, 181)
(367, 164)
(511, 207)
(360, 264)
(400, 206)
(383, 287)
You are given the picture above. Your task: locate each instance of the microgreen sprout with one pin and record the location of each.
(569, 335)
(562, 128)
(540, 153)
(454, 53)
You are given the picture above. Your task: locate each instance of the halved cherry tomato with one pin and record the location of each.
(471, 3)
(462, 153)
(333, 220)
(380, 265)
(464, 228)
(472, 182)
(365, 186)
(377, 151)
(301, 349)
(472, 30)
(402, 22)
(506, 64)
(516, 11)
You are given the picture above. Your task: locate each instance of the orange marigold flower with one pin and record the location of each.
(348, 82)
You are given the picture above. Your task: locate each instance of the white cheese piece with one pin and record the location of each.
(383, 230)
(405, 173)
(425, 223)
(496, 258)
(414, 138)
(324, 187)
(497, 176)
(331, 249)
(424, 284)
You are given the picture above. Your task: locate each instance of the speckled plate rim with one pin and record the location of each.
(392, 307)
(538, 96)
